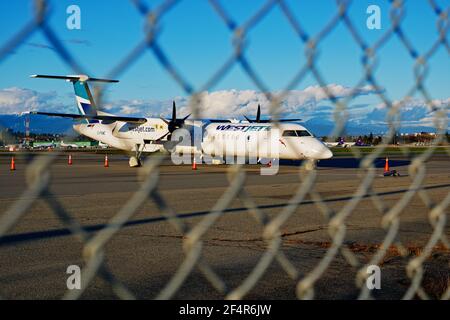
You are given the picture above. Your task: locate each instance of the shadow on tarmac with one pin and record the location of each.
(348, 163)
(13, 239)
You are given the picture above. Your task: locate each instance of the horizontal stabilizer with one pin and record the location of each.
(74, 78)
(95, 117)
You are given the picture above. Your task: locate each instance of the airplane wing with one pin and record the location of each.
(272, 120)
(331, 144)
(218, 120)
(96, 117)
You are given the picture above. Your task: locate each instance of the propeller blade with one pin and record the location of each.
(174, 112)
(259, 120)
(162, 137)
(165, 121)
(174, 123)
(258, 114)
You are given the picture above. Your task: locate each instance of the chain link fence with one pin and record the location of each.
(93, 253)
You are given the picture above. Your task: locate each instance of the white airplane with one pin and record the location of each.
(69, 145)
(340, 143)
(219, 137)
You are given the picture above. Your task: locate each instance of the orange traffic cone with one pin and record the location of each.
(106, 161)
(194, 165)
(13, 164)
(70, 160)
(386, 165)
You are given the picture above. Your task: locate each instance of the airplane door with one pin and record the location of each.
(251, 147)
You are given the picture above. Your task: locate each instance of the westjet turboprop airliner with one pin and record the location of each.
(219, 138)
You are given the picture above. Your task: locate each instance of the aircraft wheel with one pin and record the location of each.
(134, 162)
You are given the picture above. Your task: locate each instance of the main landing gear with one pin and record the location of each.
(135, 161)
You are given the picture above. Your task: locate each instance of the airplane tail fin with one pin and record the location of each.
(84, 98)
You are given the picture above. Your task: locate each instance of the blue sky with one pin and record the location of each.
(197, 41)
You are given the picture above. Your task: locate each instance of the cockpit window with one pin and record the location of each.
(303, 133)
(289, 133)
(296, 133)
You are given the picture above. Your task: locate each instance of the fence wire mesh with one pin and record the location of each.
(93, 253)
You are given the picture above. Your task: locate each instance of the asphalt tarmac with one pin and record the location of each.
(147, 252)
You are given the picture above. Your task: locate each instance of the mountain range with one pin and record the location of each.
(318, 125)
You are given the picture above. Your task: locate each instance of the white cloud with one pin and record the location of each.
(148, 108)
(224, 103)
(412, 111)
(310, 103)
(236, 103)
(16, 100)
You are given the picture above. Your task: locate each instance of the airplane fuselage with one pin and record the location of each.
(241, 139)
(125, 136)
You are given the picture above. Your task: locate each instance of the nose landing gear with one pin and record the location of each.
(311, 165)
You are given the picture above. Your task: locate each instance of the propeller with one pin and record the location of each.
(258, 118)
(174, 123)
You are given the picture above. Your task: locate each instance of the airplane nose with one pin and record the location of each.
(323, 153)
(316, 150)
(327, 154)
